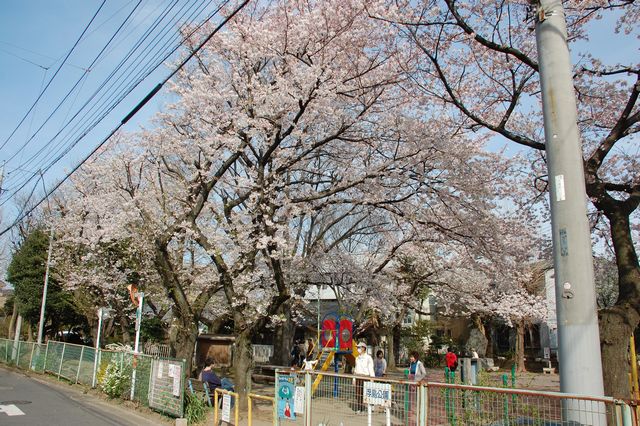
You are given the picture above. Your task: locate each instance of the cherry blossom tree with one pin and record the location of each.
(430, 243)
(292, 140)
(210, 193)
(479, 58)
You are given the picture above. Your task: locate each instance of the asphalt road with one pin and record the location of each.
(57, 404)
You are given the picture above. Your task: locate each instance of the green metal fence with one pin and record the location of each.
(25, 355)
(4, 350)
(78, 364)
(85, 371)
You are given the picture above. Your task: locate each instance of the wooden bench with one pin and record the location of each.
(264, 373)
(197, 387)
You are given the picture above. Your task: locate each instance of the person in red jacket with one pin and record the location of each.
(451, 359)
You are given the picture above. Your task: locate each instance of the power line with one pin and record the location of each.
(53, 77)
(74, 86)
(15, 46)
(24, 59)
(37, 154)
(133, 112)
(56, 147)
(124, 88)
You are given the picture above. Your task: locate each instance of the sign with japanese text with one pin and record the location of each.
(226, 408)
(377, 394)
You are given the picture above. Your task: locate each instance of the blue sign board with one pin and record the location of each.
(285, 397)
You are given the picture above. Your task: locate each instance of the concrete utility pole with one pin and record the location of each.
(578, 335)
(43, 304)
(16, 339)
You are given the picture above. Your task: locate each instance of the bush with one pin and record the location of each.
(195, 409)
(116, 381)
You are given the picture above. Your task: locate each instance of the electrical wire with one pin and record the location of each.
(15, 46)
(110, 103)
(53, 77)
(34, 156)
(75, 85)
(23, 59)
(132, 113)
(84, 133)
(126, 72)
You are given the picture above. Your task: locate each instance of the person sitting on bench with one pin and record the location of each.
(210, 377)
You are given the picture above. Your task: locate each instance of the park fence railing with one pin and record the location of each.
(159, 383)
(313, 398)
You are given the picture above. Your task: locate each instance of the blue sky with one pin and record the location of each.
(35, 36)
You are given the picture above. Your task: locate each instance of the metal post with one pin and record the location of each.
(422, 408)
(44, 289)
(307, 399)
(64, 347)
(578, 335)
(95, 358)
(276, 421)
(79, 364)
(33, 348)
(46, 352)
(18, 354)
(318, 325)
(137, 343)
(16, 338)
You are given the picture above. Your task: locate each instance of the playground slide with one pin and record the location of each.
(328, 355)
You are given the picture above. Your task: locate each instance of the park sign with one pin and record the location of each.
(376, 393)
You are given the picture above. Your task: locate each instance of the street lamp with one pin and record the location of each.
(139, 297)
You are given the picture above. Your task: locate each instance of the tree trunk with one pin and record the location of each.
(12, 323)
(489, 336)
(243, 365)
(107, 331)
(618, 322)
(397, 334)
(124, 328)
(93, 328)
(182, 340)
(283, 339)
(391, 353)
(616, 325)
(520, 331)
(29, 331)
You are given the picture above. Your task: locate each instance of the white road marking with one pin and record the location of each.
(11, 410)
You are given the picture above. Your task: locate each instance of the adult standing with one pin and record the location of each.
(417, 372)
(452, 360)
(364, 367)
(311, 350)
(380, 364)
(296, 355)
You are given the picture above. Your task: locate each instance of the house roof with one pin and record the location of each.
(217, 337)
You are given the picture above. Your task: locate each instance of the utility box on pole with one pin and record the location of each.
(578, 334)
